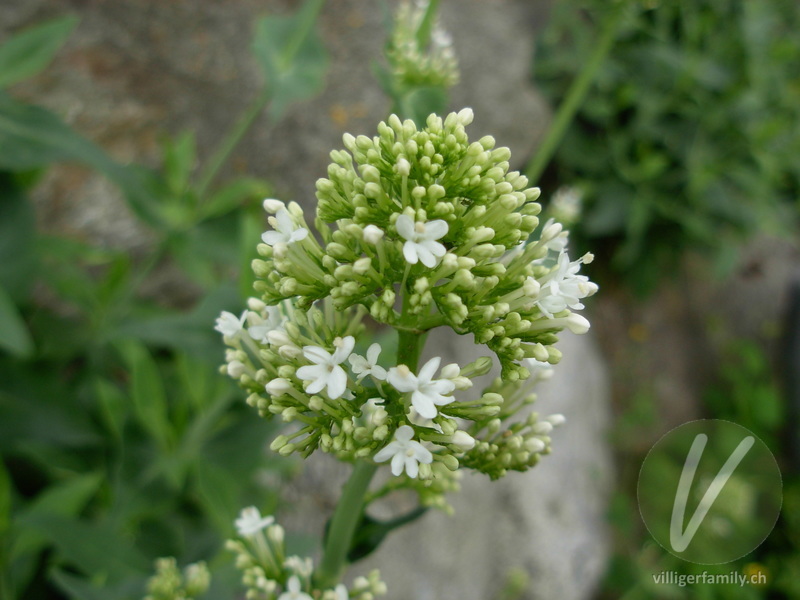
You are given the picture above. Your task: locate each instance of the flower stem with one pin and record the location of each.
(343, 525)
(575, 96)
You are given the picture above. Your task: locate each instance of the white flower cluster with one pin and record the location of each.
(417, 228)
(268, 574)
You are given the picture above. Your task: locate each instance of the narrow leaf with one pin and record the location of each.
(30, 51)
(14, 335)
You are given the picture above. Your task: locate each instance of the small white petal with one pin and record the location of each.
(337, 383)
(435, 230)
(405, 227)
(410, 253)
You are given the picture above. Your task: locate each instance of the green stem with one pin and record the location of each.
(426, 25)
(232, 140)
(343, 525)
(575, 96)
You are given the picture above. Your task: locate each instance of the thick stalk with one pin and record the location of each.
(351, 505)
(343, 525)
(575, 96)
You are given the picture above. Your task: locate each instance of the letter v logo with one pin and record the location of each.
(680, 539)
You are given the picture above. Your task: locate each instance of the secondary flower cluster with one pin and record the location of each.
(268, 574)
(418, 229)
(413, 64)
(170, 583)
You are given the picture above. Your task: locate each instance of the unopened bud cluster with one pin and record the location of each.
(415, 229)
(269, 574)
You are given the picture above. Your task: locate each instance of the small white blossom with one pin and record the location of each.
(340, 592)
(285, 232)
(558, 236)
(405, 452)
(539, 370)
(278, 386)
(251, 522)
(236, 369)
(372, 234)
(300, 566)
(563, 287)
(463, 440)
(369, 365)
(427, 392)
(326, 372)
(421, 245)
(228, 325)
(294, 591)
(260, 327)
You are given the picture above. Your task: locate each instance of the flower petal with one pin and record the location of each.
(425, 256)
(387, 452)
(404, 433)
(421, 453)
(344, 349)
(402, 383)
(405, 227)
(378, 372)
(316, 354)
(337, 382)
(412, 468)
(437, 229)
(270, 238)
(373, 352)
(428, 370)
(398, 462)
(435, 248)
(424, 405)
(410, 253)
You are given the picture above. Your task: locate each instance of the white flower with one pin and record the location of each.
(427, 393)
(368, 366)
(228, 325)
(539, 370)
(293, 591)
(463, 440)
(406, 453)
(558, 236)
(260, 327)
(341, 592)
(271, 205)
(563, 287)
(250, 521)
(285, 232)
(300, 566)
(421, 245)
(326, 372)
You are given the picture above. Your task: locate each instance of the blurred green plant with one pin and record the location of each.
(678, 124)
(118, 441)
(747, 394)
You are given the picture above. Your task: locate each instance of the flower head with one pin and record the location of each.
(260, 327)
(427, 392)
(285, 232)
(405, 452)
(421, 245)
(251, 522)
(369, 365)
(326, 372)
(229, 325)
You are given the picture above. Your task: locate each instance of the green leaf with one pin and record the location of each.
(147, 392)
(32, 137)
(113, 406)
(65, 499)
(95, 549)
(217, 489)
(30, 51)
(291, 55)
(179, 161)
(233, 196)
(5, 499)
(17, 239)
(14, 335)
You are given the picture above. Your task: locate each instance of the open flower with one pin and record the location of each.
(294, 591)
(260, 328)
(326, 372)
(427, 393)
(285, 232)
(229, 325)
(421, 245)
(405, 452)
(369, 365)
(563, 287)
(251, 522)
